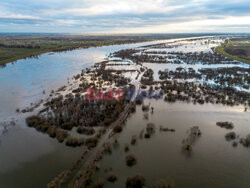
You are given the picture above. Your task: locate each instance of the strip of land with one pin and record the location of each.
(19, 46)
(236, 50)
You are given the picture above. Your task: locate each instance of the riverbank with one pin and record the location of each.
(175, 67)
(15, 47)
(222, 50)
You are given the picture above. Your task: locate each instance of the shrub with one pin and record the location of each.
(130, 160)
(91, 142)
(133, 140)
(52, 132)
(33, 121)
(98, 184)
(111, 177)
(126, 148)
(227, 125)
(230, 136)
(137, 181)
(73, 141)
(67, 125)
(61, 135)
(85, 130)
(147, 135)
(118, 128)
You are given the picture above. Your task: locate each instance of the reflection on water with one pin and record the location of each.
(33, 159)
(212, 163)
(29, 158)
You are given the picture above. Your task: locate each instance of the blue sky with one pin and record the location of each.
(125, 16)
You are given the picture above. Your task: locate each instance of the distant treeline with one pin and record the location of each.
(19, 46)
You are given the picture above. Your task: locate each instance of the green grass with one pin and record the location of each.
(221, 50)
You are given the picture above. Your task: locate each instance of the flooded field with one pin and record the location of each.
(176, 138)
(22, 83)
(213, 161)
(163, 156)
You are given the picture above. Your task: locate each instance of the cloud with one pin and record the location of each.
(156, 16)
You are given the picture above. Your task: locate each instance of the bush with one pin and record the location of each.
(137, 181)
(61, 135)
(112, 177)
(147, 135)
(52, 132)
(227, 125)
(126, 148)
(130, 160)
(118, 128)
(67, 125)
(72, 141)
(150, 128)
(98, 184)
(133, 140)
(33, 121)
(85, 130)
(91, 142)
(230, 136)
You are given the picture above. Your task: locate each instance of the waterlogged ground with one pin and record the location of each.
(213, 162)
(33, 159)
(30, 158)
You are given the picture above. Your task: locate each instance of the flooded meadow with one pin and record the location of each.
(194, 133)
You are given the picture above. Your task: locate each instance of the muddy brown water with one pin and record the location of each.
(213, 162)
(29, 158)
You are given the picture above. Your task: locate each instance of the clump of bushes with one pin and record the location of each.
(130, 160)
(150, 129)
(126, 148)
(117, 129)
(245, 141)
(112, 177)
(98, 184)
(68, 125)
(73, 141)
(227, 125)
(61, 135)
(85, 130)
(33, 121)
(133, 140)
(166, 129)
(91, 142)
(137, 181)
(195, 131)
(230, 136)
(52, 131)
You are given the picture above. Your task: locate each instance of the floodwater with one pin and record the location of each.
(29, 158)
(32, 159)
(213, 162)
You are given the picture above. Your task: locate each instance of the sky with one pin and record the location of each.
(125, 16)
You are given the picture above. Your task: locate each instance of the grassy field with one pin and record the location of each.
(231, 46)
(14, 47)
